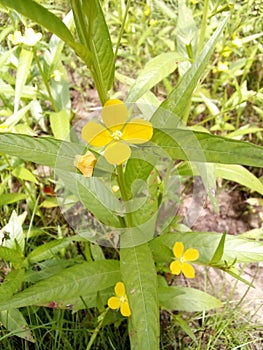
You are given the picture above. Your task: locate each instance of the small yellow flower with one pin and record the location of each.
(226, 52)
(221, 67)
(115, 188)
(147, 11)
(181, 264)
(29, 38)
(120, 301)
(153, 22)
(15, 38)
(56, 75)
(237, 42)
(116, 133)
(85, 163)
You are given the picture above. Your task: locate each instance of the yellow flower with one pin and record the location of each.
(237, 42)
(116, 133)
(115, 188)
(181, 264)
(56, 75)
(30, 38)
(147, 11)
(85, 163)
(15, 38)
(153, 22)
(120, 301)
(221, 67)
(226, 52)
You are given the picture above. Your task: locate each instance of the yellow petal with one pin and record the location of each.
(96, 134)
(188, 270)
(117, 153)
(175, 267)
(125, 309)
(114, 303)
(191, 254)
(137, 131)
(114, 113)
(119, 289)
(178, 249)
(85, 163)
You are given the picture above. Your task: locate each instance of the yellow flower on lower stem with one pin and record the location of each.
(181, 264)
(116, 134)
(85, 163)
(120, 301)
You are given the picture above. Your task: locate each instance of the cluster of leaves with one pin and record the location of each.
(35, 103)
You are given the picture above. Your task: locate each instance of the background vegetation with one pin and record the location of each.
(226, 102)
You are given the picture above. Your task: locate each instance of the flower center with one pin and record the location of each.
(122, 299)
(117, 134)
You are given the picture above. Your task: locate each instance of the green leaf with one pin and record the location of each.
(219, 251)
(11, 284)
(41, 150)
(24, 174)
(179, 98)
(202, 147)
(11, 255)
(16, 117)
(240, 175)
(9, 198)
(185, 326)
(140, 280)
(60, 124)
(15, 323)
(93, 33)
(186, 299)
(232, 172)
(136, 169)
(47, 269)
(95, 196)
(24, 64)
(100, 42)
(73, 282)
(47, 250)
(153, 72)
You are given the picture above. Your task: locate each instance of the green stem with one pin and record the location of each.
(46, 83)
(122, 29)
(124, 194)
(203, 26)
(97, 329)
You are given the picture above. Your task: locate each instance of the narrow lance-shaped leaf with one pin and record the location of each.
(41, 150)
(154, 71)
(14, 321)
(73, 282)
(139, 276)
(100, 41)
(179, 98)
(186, 299)
(219, 250)
(202, 147)
(93, 33)
(24, 64)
